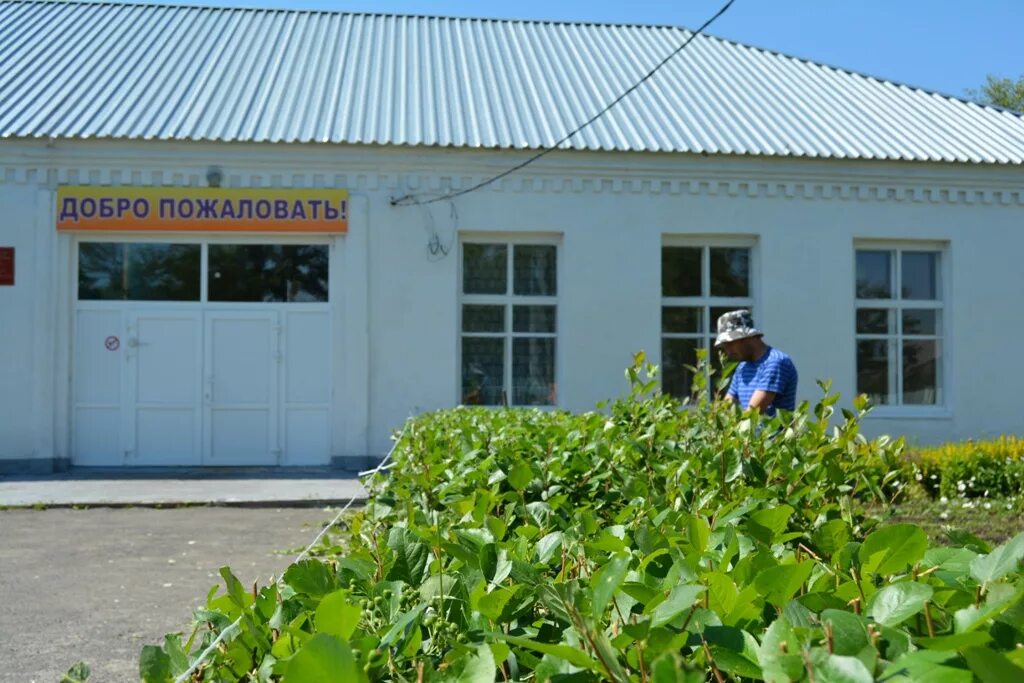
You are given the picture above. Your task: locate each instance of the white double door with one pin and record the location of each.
(202, 387)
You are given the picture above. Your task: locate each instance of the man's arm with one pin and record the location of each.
(762, 400)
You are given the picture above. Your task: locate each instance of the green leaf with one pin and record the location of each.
(548, 546)
(492, 604)
(571, 654)
(680, 599)
(849, 631)
(956, 560)
(78, 673)
(235, 590)
(670, 668)
(411, 556)
(734, 663)
(991, 666)
(311, 577)
(698, 532)
(896, 603)
(177, 655)
(1000, 562)
(494, 563)
(606, 581)
(779, 654)
(839, 669)
(401, 624)
(477, 667)
(954, 642)
(892, 549)
(779, 584)
(831, 536)
(520, 475)
(925, 665)
(765, 525)
(336, 616)
(996, 603)
(154, 665)
(323, 657)
(961, 537)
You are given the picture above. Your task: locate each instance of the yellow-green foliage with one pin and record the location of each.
(971, 469)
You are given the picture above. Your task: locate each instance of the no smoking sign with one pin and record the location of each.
(112, 343)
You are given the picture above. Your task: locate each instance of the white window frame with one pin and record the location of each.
(509, 300)
(705, 301)
(895, 339)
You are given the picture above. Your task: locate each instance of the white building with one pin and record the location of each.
(875, 229)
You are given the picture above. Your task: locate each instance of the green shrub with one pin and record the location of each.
(641, 543)
(971, 469)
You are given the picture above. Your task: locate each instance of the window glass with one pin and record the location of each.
(676, 354)
(920, 321)
(730, 272)
(483, 318)
(535, 272)
(874, 321)
(873, 371)
(874, 274)
(484, 268)
(919, 275)
(138, 271)
(483, 370)
(682, 319)
(533, 371)
(920, 372)
(268, 273)
(681, 271)
(533, 318)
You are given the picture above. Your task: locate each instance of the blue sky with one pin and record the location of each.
(944, 45)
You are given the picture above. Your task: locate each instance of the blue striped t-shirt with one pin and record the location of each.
(774, 372)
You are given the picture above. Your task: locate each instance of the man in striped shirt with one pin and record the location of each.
(766, 377)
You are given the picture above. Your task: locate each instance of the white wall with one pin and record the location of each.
(397, 317)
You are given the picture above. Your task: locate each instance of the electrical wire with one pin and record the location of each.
(408, 199)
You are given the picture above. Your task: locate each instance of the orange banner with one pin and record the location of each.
(202, 209)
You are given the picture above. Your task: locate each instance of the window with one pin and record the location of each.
(154, 271)
(899, 326)
(509, 323)
(138, 271)
(268, 272)
(698, 284)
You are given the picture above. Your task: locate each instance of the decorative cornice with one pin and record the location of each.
(376, 170)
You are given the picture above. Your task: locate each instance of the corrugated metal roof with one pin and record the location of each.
(121, 71)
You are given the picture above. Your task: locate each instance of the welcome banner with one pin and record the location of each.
(202, 209)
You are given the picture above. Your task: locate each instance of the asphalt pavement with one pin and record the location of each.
(97, 584)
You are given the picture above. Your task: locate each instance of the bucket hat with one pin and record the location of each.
(736, 325)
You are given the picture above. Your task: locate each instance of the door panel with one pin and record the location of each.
(242, 365)
(98, 368)
(163, 416)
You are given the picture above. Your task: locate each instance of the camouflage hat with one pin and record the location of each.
(736, 325)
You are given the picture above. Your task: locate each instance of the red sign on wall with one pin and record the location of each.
(6, 266)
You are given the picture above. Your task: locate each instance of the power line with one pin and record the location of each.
(408, 199)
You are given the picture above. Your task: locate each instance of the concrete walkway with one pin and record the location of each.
(157, 487)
